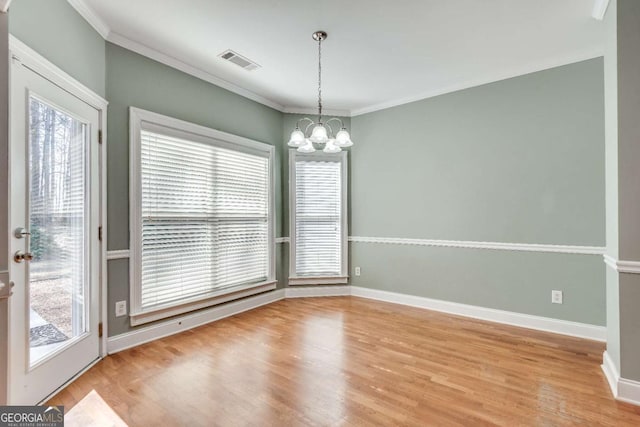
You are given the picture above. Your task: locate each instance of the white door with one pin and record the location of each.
(54, 215)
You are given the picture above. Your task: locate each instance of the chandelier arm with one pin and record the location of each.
(338, 120)
(331, 133)
(308, 126)
(302, 120)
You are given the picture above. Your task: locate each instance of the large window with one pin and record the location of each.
(201, 215)
(318, 209)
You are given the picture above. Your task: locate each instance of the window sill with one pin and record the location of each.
(337, 280)
(219, 297)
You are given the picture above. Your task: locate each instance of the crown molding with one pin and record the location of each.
(314, 111)
(91, 17)
(172, 62)
(600, 9)
(491, 78)
(103, 29)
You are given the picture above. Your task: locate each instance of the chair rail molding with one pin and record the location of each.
(567, 249)
(526, 247)
(118, 254)
(632, 267)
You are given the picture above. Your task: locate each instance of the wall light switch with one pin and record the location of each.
(357, 271)
(121, 308)
(556, 297)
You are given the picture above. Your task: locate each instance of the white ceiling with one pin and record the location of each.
(378, 53)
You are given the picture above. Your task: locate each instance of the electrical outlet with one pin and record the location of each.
(556, 297)
(357, 271)
(121, 308)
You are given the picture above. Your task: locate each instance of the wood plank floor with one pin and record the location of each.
(351, 361)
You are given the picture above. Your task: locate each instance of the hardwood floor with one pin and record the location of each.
(351, 361)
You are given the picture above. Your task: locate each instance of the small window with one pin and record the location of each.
(201, 217)
(318, 194)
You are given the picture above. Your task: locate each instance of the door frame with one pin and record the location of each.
(32, 60)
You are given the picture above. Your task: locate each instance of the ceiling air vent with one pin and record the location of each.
(239, 60)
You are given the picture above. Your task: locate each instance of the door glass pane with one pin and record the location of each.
(58, 226)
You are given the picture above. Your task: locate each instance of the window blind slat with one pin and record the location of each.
(204, 219)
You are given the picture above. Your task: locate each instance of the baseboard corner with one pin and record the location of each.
(623, 389)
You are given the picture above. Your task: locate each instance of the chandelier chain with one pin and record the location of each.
(320, 80)
(321, 134)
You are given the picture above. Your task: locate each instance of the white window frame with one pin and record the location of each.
(343, 278)
(140, 120)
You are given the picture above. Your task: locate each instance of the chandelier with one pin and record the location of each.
(319, 133)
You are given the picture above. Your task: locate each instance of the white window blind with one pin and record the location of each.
(319, 231)
(204, 219)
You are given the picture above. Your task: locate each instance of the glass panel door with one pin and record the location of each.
(58, 227)
(54, 195)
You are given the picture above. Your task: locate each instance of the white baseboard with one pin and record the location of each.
(575, 329)
(623, 389)
(317, 291)
(629, 391)
(184, 323)
(610, 373)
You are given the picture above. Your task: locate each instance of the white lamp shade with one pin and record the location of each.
(307, 147)
(297, 138)
(319, 134)
(331, 147)
(343, 139)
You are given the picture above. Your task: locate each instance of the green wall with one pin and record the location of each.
(56, 31)
(134, 80)
(518, 161)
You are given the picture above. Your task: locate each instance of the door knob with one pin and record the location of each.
(20, 256)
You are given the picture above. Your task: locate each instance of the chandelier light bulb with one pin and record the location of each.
(297, 138)
(331, 147)
(307, 147)
(319, 134)
(343, 139)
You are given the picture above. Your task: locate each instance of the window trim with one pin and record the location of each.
(343, 278)
(139, 120)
